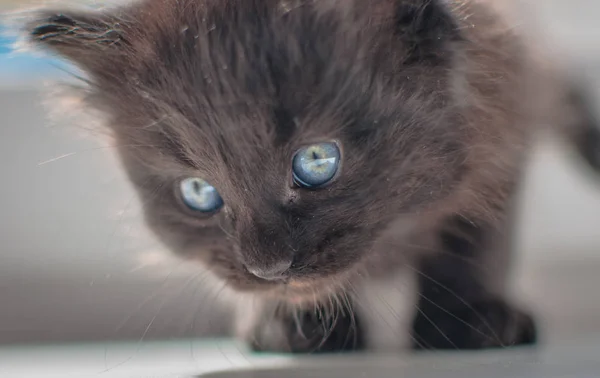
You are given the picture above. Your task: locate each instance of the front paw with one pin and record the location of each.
(485, 324)
(307, 332)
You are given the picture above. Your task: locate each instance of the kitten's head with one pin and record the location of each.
(274, 140)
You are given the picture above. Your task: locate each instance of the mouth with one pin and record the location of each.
(284, 285)
(294, 290)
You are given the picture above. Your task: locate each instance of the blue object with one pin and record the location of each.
(20, 66)
(316, 165)
(200, 196)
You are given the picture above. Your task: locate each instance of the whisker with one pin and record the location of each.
(389, 308)
(412, 334)
(349, 286)
(353, 326)
(215, 300)
(156, 122)
(470, 261)
(146, 330)
(340, 312)
(225, 231)
(437, 328)
(323, 317)
(417, 339)
(450, 291)
(94, 149)
(152, 195)
(186, 315)
(148, 299)
(132, 198)
(298, 324)
(391, 311)
(456, 317)
(199, 306)
(56, 158)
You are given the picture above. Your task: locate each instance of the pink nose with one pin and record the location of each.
(274, 272)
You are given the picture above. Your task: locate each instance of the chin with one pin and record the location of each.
(309, 291)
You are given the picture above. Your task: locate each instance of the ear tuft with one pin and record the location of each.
(57, 25)
(84, 38)
(84, 30)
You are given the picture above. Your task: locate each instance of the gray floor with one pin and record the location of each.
(77, 264)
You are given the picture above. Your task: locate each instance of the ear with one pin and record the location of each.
(426, 27)
(87, 39)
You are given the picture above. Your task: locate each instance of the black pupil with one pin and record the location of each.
(196, 186)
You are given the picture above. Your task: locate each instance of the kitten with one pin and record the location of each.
(348, 167)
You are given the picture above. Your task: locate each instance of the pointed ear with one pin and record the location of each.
(87, 39)
(426, 27)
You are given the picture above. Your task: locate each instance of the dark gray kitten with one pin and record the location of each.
(347, 167)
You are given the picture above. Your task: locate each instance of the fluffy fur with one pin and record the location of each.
(433, 103)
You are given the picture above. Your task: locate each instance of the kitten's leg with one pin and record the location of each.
(279, 328)
(387, 306)
(462, 303)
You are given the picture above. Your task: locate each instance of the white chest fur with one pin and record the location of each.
(387, 308)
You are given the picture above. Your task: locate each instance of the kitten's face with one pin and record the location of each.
(276, 146)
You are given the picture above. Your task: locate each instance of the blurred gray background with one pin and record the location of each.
(76, 262)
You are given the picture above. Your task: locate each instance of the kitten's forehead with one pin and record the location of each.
(251, 82)
(253, 145)
(232, 83)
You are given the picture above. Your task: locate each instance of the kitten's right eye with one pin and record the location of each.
(315, 165)
(199, 195)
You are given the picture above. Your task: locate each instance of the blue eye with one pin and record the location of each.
(315, 165)
(199, 195)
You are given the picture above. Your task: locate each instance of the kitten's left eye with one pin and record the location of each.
(316, 165)
(199, 195)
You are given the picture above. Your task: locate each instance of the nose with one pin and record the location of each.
(275, 272)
